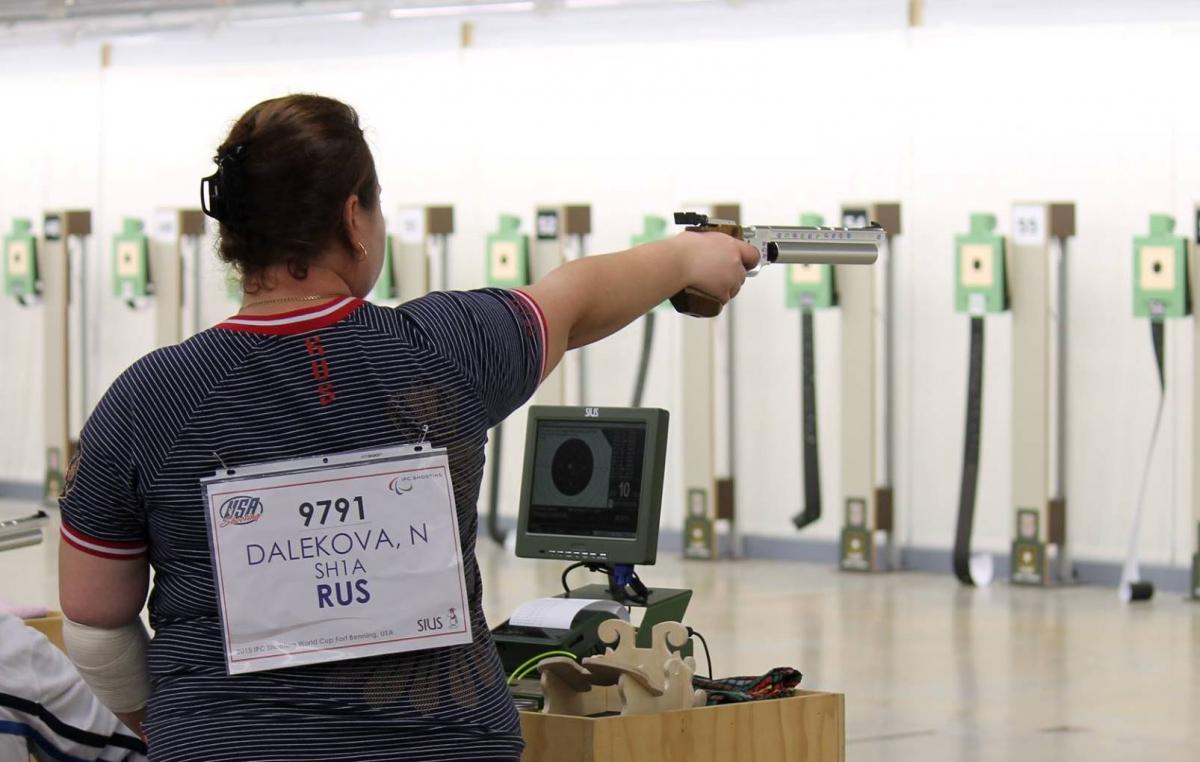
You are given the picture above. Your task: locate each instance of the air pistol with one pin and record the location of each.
(789, 245)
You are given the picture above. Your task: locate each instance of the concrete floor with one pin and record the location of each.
(930, 671)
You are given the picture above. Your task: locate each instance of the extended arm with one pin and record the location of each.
(588, 299)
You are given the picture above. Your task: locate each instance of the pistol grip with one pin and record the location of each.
(694, 302)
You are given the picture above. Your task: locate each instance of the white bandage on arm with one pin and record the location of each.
(112, 662)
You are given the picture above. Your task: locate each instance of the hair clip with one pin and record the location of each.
(212, 199)
(217, 191)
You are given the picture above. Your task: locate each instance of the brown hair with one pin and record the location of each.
(286, 170)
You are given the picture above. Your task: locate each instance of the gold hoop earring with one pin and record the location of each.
(362, 248)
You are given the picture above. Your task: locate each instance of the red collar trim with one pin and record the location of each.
(296, 321)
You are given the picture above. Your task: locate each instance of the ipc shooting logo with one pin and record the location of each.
(397, 485)
(242, 509)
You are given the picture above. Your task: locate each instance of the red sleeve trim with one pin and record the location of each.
(542, 328)
(119, 551)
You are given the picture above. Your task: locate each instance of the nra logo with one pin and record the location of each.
(241, 510)
(400, 485)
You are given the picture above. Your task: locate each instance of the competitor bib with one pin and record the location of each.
(338, 557)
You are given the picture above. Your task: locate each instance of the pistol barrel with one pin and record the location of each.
(816, 246)
(801, 253)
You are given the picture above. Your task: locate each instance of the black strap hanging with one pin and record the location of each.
(970, 464)
(639, 388)
(808, 413)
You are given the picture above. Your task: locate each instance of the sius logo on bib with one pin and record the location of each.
(242, 509)
(397, 485)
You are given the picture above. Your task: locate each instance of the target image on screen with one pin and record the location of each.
(587, 479)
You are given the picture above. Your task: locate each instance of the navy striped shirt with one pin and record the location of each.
(342, 376)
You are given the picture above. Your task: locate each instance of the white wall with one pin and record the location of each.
(784, 107)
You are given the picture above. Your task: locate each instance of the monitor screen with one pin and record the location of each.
(592, 482)
(587, 479)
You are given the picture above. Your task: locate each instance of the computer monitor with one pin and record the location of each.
(592, 484)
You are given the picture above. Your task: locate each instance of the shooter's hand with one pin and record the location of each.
(716, 266)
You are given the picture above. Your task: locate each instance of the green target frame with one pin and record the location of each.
(21, 260)
(508, 254)
(1160, 272)
(980, 276)
(131, 261)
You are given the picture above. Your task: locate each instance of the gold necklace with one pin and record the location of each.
(315, 298)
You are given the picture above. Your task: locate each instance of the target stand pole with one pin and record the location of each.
(1039, 422)
(507, 266)
(1195, 529)
(171, 232)
(867, 455)
(709, 499)
(556, 228)
(58, 230)
(654, 228)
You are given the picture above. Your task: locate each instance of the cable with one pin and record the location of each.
(1157, 330)
(707, 653)
(592, 567)
(566, 588)
(644, 362)
(1132, 588)
(531, 664)
(493, 516)
(624, 584)
(622, 579)
(970, 464)
(808, 413)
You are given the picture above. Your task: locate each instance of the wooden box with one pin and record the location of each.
(808, 727)
(51, 626)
